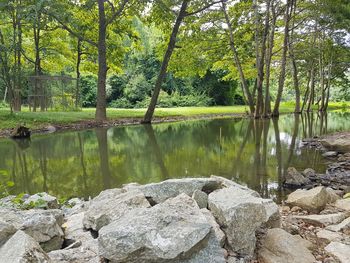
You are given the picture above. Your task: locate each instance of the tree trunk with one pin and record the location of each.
(101, 103)
(328, 82)
(282, 76)
(237, 61)
(17, 32)
(77, 88)
(171, 45)
(312, 90)
(306, 94)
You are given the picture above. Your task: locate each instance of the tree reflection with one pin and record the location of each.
(101, 135)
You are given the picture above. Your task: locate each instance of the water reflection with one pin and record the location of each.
(253, 152)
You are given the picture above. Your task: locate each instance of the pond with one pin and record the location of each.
(255, 153)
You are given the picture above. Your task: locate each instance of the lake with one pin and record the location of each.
(255, 153)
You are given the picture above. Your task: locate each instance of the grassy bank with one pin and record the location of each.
(36, 120)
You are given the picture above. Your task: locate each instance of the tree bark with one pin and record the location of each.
(171, 45)
(101, 103)
(77, 88)
(282, 76)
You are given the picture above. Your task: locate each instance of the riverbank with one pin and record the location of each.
(40, 122)
(192, 220)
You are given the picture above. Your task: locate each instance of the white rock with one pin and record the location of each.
(21, 248)
(339, 251)
(328, 235)
(110, 205)
(343, 204)
(328, 219)
(220, 235)
(344, 225)
(281, 247)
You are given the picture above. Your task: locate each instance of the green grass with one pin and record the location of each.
(37, 120)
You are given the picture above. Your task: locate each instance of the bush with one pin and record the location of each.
(3, 105)
(88, 86)
(121, 103)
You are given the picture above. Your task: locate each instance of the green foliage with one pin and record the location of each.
(88, 86)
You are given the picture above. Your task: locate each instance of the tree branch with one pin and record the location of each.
(202, 9)
(116, 12)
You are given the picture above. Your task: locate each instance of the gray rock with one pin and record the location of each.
(330, 154)
(220, 235)
(74, 230)
(337, 142)
(328, 235)
(6, 231)
(343, 204)
(173, 231)
(201, 198)
(294, 178)
(21, 248)
(313, 200)
(340, 251)
(308, 172)
(332, 195)
(110, 205)
(159, 192)
(42, 200)
(322, 220)
(343, 226)
(273, 217)
(278, 246)
(75, 255)
(224, 183)
(43, 227)
(239, 214)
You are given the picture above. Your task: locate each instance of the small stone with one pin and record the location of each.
(340, 251)
(285, 209)
(308, 172)
(330, 154)
(296, 209)
(320, 220)
(294, 179)
(42, 200)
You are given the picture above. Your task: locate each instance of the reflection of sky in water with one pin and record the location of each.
(254, 153)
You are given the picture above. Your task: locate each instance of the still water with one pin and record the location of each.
(252, 152)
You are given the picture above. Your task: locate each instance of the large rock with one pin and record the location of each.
(337, 142)
(174, 231)
(340, 251)
(21, 248)
(343, 226)
(42, 200)
(328, 235)
(225, 183)
(6, 231)
(74, 255)
(110, 205)
(220, 235)
(240, 214)
(295, 179)
(159, 192)
(323, 220)
(343, 204)
(281, 247)
(313, 200)
(74, 230)
(201, 198)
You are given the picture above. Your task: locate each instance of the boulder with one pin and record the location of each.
(6, 231)
(330, 154)
(110, 205)
(343, 204)
(224, 183)
(44, 228)
(313, 200)
(22, 248)
(278, 246)
(332, 195)
(220, 235)
(328, 235)
(239, 215)
(159, 192)
(340, 251)
(295, 179)
(343, 226)
(201, 198)
(308, 172)
(74, 255)
(174, 231)
(337, 142)
(74, 230)
(42, 200)
(322, 220)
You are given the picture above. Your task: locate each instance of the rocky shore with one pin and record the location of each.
(192, 220)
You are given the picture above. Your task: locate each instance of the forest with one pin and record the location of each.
(172, 53)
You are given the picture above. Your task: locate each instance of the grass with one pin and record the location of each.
(37, 120)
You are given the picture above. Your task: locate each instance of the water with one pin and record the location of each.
(252, 152)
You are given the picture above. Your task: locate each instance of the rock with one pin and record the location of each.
(225, 183)
(239, 215)
(340, 251)
(343, 204)
(330, 154)
(295, 209)
(337, 142)
(322, 220)
(110, 205)
(308, 172)
(201, 198)
(306, 243)
(281, 247)
(295, 179)
(313, 200)
(220, 235)
(75, 255)
(169, 232)
(21, 248)
(343, 226)
(329, 236)
(74, 230)
(159, 192)
(6, 231)
(332, 195)
(273, 217)
(43, 227)
(20, 132)
(42, 200)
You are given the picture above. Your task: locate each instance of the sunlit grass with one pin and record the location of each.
(40, 119)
